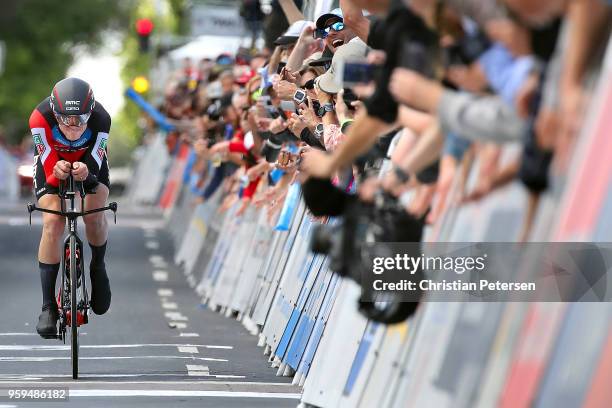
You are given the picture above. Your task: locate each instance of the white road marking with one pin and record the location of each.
(194, 367)
(15, 221)
(45, 359)
(228, 376)
(8, 406)
(177, 325)
(30, 334)
(83, 381)
(176, 316)
(188, 349)
(189, 335)
(191, 281)
(104, 346)
(165, 292)
(160, 276)
(154, 245)
(197, 370)
(169, 305)
(124, 222)
(180, 393)
(156, 258)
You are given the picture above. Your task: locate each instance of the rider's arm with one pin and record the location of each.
(46, 154)
(95, 155)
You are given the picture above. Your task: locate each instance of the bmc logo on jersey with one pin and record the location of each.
(38, 143)
(73, 103)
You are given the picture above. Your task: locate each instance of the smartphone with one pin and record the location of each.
(281, 67)
(355, 73)
(288, 108)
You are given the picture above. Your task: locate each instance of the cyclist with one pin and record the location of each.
(70, 131)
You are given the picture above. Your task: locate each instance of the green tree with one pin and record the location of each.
(40, 36)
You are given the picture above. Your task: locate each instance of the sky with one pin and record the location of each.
(102, 72)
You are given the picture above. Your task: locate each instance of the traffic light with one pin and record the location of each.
(140, 84)
(144, 27)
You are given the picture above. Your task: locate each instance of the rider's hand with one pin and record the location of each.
(79, 171)
(61, 170)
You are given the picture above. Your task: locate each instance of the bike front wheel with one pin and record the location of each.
(74, 345)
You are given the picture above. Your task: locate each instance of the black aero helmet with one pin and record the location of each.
(72, 97)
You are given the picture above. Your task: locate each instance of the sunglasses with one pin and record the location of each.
(72, 120)
(310, 84)
(323, 33)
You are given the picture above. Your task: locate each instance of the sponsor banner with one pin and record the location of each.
(215, 20)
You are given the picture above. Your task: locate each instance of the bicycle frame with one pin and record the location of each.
(69, 302)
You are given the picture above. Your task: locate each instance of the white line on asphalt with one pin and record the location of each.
(8, 406)
(30, 334)
(165, 292)
(152, 245)
(188, 349)
(220, 347)
(177, 325)
(228, 376)
(169, 305)
(191, 281)
(195, 367)
(160, 276)
(104, 346)
(18, 378)
(176, 316)
(156, 259)
(189, 335)
(42, 359)
(125, 222)
(14, 222)
(180, 393)
(197, 370)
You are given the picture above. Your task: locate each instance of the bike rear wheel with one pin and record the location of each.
(74, 345)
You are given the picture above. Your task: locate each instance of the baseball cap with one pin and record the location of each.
(292, 34)
(355, 49)
(335, 14)
(324, 60)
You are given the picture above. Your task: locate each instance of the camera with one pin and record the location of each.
(274, 142)
(214, 111)
(466, 50)
(348, 243)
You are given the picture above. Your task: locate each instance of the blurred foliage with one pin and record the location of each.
(40, 36)
(167, 20)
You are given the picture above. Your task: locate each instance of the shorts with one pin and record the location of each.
(40, 180)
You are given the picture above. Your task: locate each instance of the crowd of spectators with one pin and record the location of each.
(431, 86)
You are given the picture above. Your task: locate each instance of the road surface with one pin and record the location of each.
(157, 345)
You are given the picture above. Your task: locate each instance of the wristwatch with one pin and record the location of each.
(319, 131)
(325, 108)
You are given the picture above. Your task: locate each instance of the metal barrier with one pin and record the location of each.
(9, 188)
(447, 354)
(151, 172)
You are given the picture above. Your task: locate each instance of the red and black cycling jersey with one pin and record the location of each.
(51, 145)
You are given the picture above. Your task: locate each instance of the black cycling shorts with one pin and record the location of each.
(40, 180)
